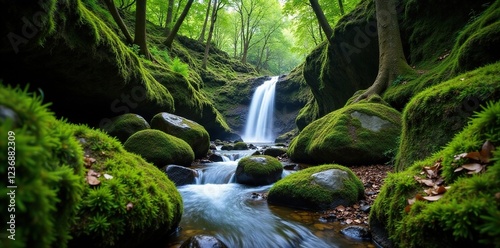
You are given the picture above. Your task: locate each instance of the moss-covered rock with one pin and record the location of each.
(160, 148)
(123, 126)
(44, 164)
(361, 133)
(274, 151)
(191, 132)
(135, 203)
(468, 212)
(240, 146)
(258, 170)
(432, 117)
(317, 188)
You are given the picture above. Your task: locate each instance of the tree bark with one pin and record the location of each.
(341, 7)
(207, 14)
(323, 22)
(178, 23)
(392, 61)
(140, 28)
(118, 19)
(170, 14)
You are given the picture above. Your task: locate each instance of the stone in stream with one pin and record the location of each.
(357, 232)
(258, 170)
(180, 175)
(203, 241)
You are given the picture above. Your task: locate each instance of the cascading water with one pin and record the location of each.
(238, 215)
(259, 126)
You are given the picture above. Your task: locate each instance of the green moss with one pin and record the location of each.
(258, 170)
(433, 116)
(240, 146)
(44, 162)
(125, 125)
(299, 190)
(193, 133)
(137, 205)
(467, 49)
(160, 148)
(340, 137)
(464, 216)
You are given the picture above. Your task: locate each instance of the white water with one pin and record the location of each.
(259, 126)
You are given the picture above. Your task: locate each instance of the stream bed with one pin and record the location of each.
(238, 215)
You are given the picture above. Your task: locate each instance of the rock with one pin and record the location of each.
(429, 123)
(191, 132)
(213, 147)
(123, 126)
(413, 225)
(181, 175)
(360, 133)
(357, 232)
(365, 208)
(258, 170)
(160, 148)
(240, 146)
(274, 151)
(227, 147)
(317, 188)
(214, 157)
(203, 241)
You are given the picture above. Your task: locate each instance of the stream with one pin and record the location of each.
(237, 215)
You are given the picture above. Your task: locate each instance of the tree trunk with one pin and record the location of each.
(178, 23)
(323, 22)
(202, 35)
(210, 33)
(392, 61)
(140, 28)
(341, 7)
(170, 14)
(118, 19)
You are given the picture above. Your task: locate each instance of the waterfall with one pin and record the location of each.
(259, 126)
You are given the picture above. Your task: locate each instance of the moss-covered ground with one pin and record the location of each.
(467, 213)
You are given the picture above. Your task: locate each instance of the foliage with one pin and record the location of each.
(44, 163)
(178, 66)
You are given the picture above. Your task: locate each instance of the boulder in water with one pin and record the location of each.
(123, 126)
(160, 148)
(203, 241)
(274, 151)
(357, 232)
(318, 188)
(258, 170)
(191, 132)
(240, 146)
(181, 175)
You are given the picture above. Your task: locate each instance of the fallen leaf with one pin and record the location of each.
(411, 201)
(357, 221)
(472, 167)
(130, 206)
(486, 151)
(348, 221)
(407, 208)
(458, 169)
(92, 180)
(340, 208)
(432, 198)
(108, 176)
(88, 161)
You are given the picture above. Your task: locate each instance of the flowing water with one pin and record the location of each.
(237, 215)
(259, 126)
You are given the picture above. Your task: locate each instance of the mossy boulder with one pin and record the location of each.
(361, 133)
(466, 215)
(191, 132)
(240, 146)
(275, 151)
(123, 126)
(134, 202)
(258, 170)
(432, 117)
(160, 148)
(45, 162)
(317, 188)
